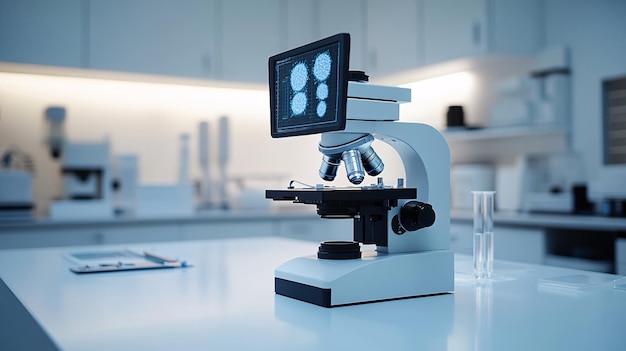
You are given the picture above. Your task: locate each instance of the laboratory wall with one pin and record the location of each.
(146, 120)
(146, 115)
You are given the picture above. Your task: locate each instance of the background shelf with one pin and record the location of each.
(494, 144)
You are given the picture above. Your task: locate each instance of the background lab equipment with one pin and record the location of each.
(410, 225)
(223, 158)
(205, 200)
(125, 172)
(169, 199)
(85, 167)
(207, 197)
(16, 185)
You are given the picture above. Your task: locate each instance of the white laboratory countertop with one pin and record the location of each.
(226, 302)
(544, 220)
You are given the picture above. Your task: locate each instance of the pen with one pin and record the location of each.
(159, 257)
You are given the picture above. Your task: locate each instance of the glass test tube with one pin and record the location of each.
(483, 233)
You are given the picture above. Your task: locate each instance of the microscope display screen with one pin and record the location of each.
(308, 87)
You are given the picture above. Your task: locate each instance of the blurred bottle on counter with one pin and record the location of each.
(183, 161)
(206, 183)
(223, 158)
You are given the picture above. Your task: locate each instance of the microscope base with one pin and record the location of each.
(374, 277)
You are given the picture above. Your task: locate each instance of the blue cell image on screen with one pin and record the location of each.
(309, 87)
(321, 68)
(322, 91)
(299, 76)
(321, 109)
(298, 104)
(306, 89)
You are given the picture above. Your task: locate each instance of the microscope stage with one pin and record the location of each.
(329, 195)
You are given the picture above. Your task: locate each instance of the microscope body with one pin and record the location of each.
(408, 261)
(426, 160)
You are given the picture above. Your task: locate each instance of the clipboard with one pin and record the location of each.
(121, 260)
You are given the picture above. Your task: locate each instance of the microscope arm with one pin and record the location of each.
(426, 158)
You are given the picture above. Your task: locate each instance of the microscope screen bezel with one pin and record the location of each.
(342, 41)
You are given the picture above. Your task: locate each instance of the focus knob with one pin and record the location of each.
(416, 215)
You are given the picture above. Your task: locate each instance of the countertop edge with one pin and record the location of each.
(215, 216)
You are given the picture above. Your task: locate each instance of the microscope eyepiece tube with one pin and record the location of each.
(371, 162)
(354, 166)
(329, 166)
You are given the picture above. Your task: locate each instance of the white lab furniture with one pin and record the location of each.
(227, 302)
(519, 237)
(504, 144)
(304, 224)
(231, 40)
(43, 33)
(393, 36)
(572, 241)
(157, 37)
(457, 28)
(510, 243)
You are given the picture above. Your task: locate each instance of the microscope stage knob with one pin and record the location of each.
(416, 215)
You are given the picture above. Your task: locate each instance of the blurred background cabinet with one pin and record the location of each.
(43, 32)
(300, 226)
(510, 243)
(394, 40)
(346, 16)
(249, 34)
(465, 28)
(452, 29)
(231, 40)
(87, 233)
(385, 34)
(154, 36)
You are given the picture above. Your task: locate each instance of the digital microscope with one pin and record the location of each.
(312, 91)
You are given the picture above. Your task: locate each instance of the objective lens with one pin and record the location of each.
(354, 166)
(371, 162)
(328, 169)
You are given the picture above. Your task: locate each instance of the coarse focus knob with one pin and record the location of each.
(416, 215)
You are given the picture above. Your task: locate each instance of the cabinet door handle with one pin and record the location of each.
(206, 64)
(476, 33)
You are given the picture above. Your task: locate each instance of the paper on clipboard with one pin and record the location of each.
(120, 260)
